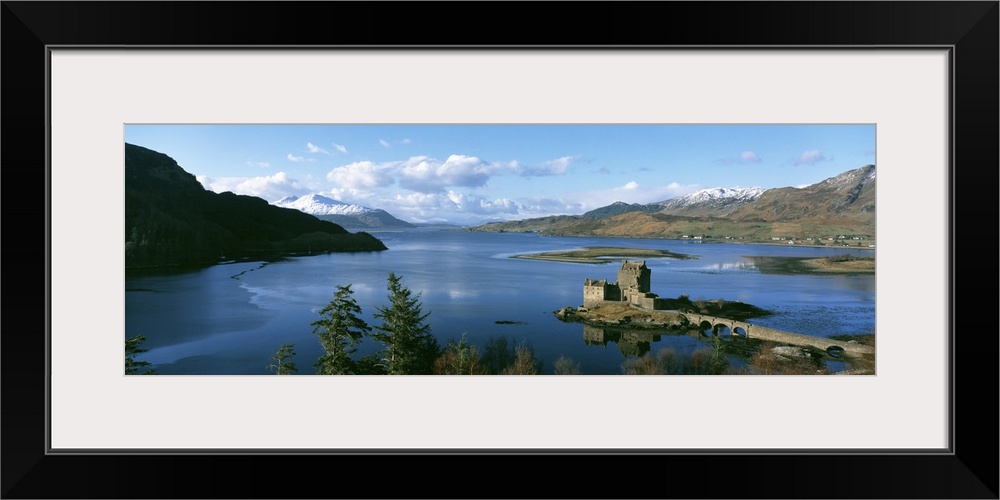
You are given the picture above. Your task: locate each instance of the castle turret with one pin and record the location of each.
(634, 277)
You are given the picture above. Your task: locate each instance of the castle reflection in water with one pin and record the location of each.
(630, 342)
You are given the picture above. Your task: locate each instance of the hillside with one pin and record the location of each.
(171, 220)
(847, 199)
(832, 211)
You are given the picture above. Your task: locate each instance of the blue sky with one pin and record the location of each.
(469, 174)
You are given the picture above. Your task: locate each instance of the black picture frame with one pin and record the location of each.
(969, 28)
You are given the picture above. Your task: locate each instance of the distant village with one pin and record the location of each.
(841, 239)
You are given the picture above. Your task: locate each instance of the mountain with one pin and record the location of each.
(171, 220)
(714, 202)
(843, 205)
(846, 198)
(618, 208)
(338, 212)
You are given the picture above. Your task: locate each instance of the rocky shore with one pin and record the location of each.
(619, 315)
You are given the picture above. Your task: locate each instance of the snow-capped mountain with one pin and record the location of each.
(317, 204)
(718, 195)
(345, 214)
(712, 202)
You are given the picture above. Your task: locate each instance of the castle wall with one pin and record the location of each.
(593, 295)
(648, 301)
(596, 292)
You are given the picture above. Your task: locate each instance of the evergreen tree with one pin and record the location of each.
(132, 347)
(339, 330)
(410, 349)
(279, 365)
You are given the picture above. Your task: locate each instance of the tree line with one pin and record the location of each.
(408, 347)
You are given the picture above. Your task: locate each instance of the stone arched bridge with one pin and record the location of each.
(749, 330)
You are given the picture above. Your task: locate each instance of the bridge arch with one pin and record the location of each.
(705, 327)
(740, 331)
(721, 329)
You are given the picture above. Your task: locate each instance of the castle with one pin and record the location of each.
(632, 287)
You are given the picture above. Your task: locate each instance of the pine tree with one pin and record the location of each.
(132, 347)
(410, 349)
(339, 330)
(280, 366)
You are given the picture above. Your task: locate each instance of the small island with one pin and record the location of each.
(839, 264)
(602, 255)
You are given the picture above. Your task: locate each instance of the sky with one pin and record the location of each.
(471, 174)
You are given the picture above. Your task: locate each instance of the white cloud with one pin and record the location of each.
(451, 206)
(367, 197)
(362, 174)
(428, 175)
(749, 157)
(420, 173)
(316, 149)
(477, 205)
(558, 166)
(271, 188)
(811, 157)
(298, 159)
(388, 144)
(338, 147)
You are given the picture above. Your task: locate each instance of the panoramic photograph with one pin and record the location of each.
(520, 249)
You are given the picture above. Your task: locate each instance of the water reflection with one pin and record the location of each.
(629, 342)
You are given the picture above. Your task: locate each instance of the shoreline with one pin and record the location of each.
(783, 243)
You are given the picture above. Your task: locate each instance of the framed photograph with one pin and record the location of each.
(918, 102)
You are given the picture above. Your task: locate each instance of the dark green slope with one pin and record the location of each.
(171, 220)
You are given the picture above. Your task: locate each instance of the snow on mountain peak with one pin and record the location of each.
(851, 177)
(317, 204)
(717, 194)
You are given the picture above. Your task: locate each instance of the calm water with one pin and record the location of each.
(230, 318)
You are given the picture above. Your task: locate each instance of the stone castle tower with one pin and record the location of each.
(633, 277)
(632, 287)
